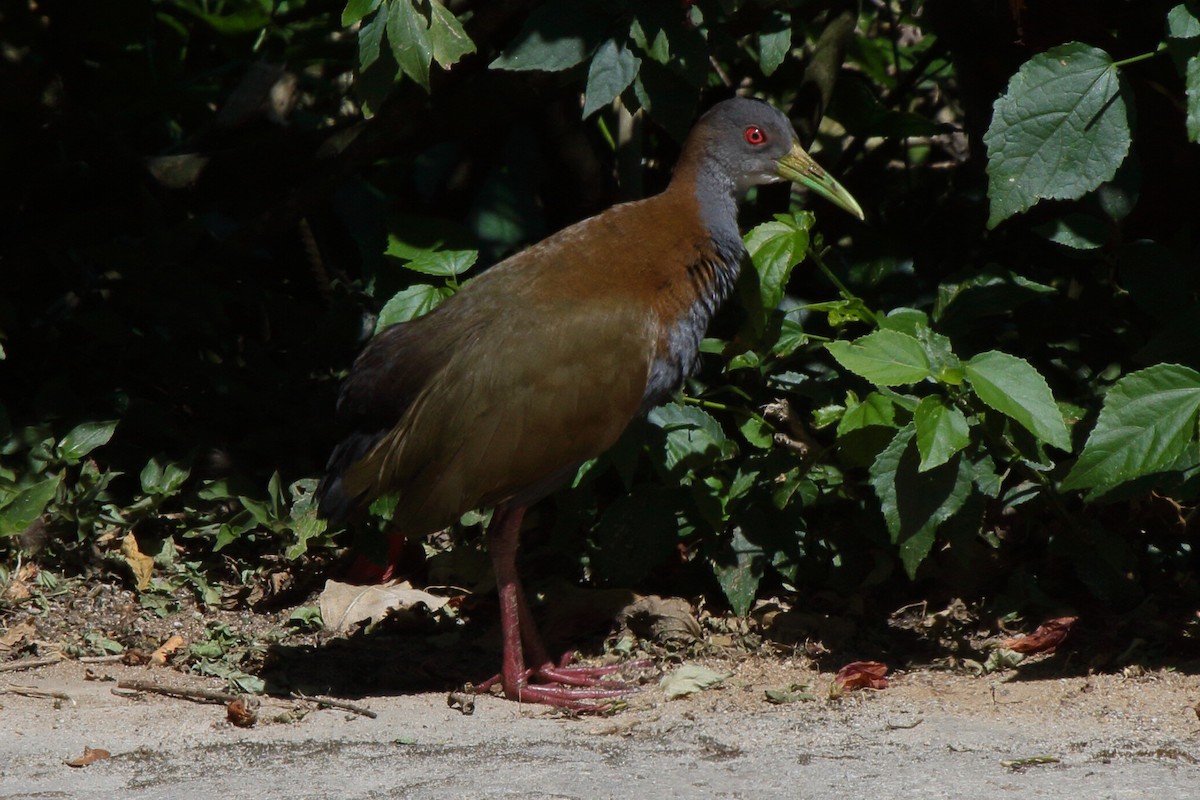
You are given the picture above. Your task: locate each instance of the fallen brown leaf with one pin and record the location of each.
(862, 674)
(17, 635)
(161, 655)
(1045, 639)
(90, 756)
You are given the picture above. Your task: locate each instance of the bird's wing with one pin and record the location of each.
(534, 390)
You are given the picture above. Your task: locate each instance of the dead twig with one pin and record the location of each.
(201, 695)
(101, 659)
(30, 663)
(34, 691)
(332, 703)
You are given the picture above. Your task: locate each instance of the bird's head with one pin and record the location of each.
(754, 143)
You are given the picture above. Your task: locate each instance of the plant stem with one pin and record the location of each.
(841, 287)
(1124, 62)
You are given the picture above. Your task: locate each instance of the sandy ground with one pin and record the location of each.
(929, 735)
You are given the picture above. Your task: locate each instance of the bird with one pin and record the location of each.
(498, 395)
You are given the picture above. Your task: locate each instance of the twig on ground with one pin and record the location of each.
(30, 663)
(332, 703)
(201, 695)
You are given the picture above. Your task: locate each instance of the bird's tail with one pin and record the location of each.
(333, 501)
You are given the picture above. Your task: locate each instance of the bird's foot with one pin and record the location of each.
(571, 687)
(569, 674)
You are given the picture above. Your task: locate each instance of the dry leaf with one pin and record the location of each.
(344, 605)
(1045, 639)
(90, 756)
(664, 621)
(17, 635)
(242, 712)
(168, 647)
(141, 564)
(862, 674)
(690, 679)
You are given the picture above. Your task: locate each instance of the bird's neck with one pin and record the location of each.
(717, 199)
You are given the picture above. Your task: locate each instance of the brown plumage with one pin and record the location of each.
(495, 397)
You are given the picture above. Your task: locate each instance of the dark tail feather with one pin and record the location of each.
(333, 503)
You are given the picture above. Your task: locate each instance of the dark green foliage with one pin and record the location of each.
(978, 392)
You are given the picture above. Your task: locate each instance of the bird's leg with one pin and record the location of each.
(520, 637)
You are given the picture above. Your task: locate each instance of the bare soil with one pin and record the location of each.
(1044, 730)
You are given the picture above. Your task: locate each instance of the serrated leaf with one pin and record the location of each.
(875, 409)
(407, 304)
(740, 574)
(408, 35)
(942, 431)
(84, 438)
(443, 263)
(21, 512)
(446, 35)
(613, 68)
(886, 358)
(915, 503)
(693, 436)
(555, 36)
(1147, 423)
(1014, 388)
(370, 37)
(775, 249)
(1059, 131)
(356, 10)
(774, 41)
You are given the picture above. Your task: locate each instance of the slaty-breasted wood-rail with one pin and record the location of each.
(499, 394)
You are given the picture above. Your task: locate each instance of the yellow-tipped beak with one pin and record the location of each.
(798, 167)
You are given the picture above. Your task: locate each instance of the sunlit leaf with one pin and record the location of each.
(1059, 131)
(1014, 388)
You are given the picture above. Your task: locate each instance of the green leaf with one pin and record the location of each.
(775, 249)
(693, 436)
(410, 303)
(1059, 131)
(85, 438)
(613, 68)
(1182, 23)
(942, 431)
(356, 10)
(162, 479)
(875, 409)
(1014, 388)
(21, 512)
(1192, 78)
(774, 41)
(370, 38)
(1076, 230)
(740, 572)
(658, 47)
(443, 263)
(556, 36)
(450, 42)
(1147, 423)
(915, 503)
(408, 34)
(886, 358)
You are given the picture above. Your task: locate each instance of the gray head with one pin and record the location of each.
(748, 143)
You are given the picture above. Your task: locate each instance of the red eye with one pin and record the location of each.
(755, 136)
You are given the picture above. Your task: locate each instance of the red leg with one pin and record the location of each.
(520, 637)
